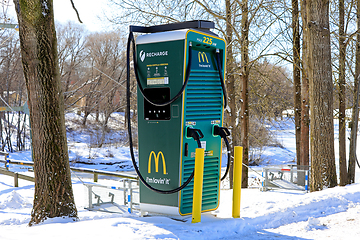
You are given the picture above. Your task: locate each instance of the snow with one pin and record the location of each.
(329, 214)
(279, 214)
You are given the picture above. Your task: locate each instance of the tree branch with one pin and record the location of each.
(77, 13)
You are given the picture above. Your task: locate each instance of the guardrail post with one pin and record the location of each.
(198, 184)
(238, 152)
(7, 164)
(16, 180)
(130, 200)
(125, 192)
(90, 196)
(266, 179)
(96, 177)
(307, 180)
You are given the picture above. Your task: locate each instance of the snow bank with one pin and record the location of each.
(13, 200)
(264, 215)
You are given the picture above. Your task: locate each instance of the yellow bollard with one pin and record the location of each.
(198, 184)
(237, 181)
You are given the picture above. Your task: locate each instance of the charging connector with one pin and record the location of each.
(223, 132)
(194, 133)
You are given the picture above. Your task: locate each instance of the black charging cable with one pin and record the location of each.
(221, 76)
(187, 75)
(224, 133)
(196, 134)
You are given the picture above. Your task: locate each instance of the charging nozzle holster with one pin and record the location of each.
(194, 133)
(223, 132)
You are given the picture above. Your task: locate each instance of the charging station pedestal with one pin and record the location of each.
(166, 154)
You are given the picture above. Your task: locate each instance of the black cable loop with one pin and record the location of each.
(187, 76)
(228, 162)
(128, 95)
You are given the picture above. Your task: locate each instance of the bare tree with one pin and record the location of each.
(53, 189)
(72, 62)
(244, 79)
(323, 174)
(355, 108)
(230, 83)
(296, 77)
(270, 90)
(11, 91)
(270, 93)
(342, 96)
(104, 92)
(305, 92)
(157, 11)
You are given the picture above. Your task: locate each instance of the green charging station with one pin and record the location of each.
(166, 152)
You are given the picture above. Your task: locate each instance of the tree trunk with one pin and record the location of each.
(53, 189)
(323, 172)
(342, 97)
(230, 82)
(296, 77)
(354, 128)
(244, 79)
(355, 111)
(305, 118)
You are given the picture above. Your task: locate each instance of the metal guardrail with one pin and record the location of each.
(16, 176)
(292, 177)
(105, 173)
(113, 199)
(116, 199)
(96, 173)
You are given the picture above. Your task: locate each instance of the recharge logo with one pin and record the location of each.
(156, 157)
(142, 55)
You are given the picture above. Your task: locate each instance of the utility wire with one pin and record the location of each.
(7, 104)
(252, 170)
(11, 109)
(7, 39)
(112, 79)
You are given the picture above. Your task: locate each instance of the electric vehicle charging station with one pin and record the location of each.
(180, 102)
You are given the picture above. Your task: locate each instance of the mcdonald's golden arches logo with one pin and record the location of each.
(156, 157)
(202, 57)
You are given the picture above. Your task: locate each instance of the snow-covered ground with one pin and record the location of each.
(279, 214)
